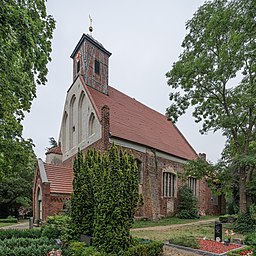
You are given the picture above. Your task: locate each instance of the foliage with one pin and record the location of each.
(227, 218)
(25, 46)
(105, 198)
(16, 185)
(144, 248)
(187, 208)
(219, 47)
(244, 223)
(24, 242)
(18, 233)
(9, 220)
(31, 250)
(77, 248)
(58, 226)
(238, 252)
(187, 241)
(53, 143)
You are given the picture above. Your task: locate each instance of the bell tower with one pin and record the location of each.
(90, 60)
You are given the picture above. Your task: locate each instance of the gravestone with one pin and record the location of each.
(218, 231)
(86, 239)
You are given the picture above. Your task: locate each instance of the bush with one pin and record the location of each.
(145, 248)
(24, 242)
(58, 226)
(77, 248)
(26, 251)
(228, 218)
(187, 241)
(244, 223)
(187, 208)
(17, 233)
(250, 239)
(9, 220)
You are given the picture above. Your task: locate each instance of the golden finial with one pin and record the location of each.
(90, 28)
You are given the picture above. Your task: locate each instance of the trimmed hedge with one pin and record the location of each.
(31, 250)
(17, 233)
(9, 220)
(24, 242)
(228, 218)
(152, 248)
(187, 241)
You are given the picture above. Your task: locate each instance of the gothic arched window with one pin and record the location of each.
(91, 128)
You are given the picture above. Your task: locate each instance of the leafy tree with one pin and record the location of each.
(219, 47)
(16, 185)
(25, 46)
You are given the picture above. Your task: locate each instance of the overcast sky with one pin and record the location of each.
(144, 38)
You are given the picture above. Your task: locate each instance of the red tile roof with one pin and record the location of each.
(133, 121)
(60, 178)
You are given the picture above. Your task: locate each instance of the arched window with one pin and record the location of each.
(72, 127)
(65, 132)
(81, 118)
(91, 128)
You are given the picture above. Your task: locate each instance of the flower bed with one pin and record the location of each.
(216, 247)
(210, 247)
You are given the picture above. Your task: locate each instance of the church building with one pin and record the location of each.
(96, 115)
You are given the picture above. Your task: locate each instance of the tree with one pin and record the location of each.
(16, 185)
(25, 46)
(219, 47)
(105, 198)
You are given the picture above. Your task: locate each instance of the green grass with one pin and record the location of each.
(168, 221)
(199, 230)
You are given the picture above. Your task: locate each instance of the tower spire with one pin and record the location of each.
(90, 28)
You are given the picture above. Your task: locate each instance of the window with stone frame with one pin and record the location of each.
(192, 184)
(139, 165)
(97, 67)
(91, 128)
(168, 184)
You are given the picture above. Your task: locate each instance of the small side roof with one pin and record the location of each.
(60, 178)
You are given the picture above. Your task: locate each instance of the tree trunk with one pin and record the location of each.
(242, 193)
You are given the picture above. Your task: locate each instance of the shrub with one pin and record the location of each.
(77, 248)
(26, 251)
(187, 241)
(145, 248)
(24, 242)
(9, 220)
(28, 233)
(227, 218)
(187, 208)
(244, 223)
(58, 226)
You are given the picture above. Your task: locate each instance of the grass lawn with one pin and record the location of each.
(199, 230)
(168, 221)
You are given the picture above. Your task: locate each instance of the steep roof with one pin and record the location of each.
(54, 150)
(135, 122)
(60, 178)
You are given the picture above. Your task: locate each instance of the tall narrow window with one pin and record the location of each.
(91, 127)
(78, 66)
(168, 184)
(72, 128)
(81, 118)
(192, 184)
(139, 165)
(97, 67)
(65, 132)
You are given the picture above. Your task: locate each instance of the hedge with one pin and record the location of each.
(17, 233)
(9, 220)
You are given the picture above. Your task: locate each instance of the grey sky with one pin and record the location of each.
(145, 39)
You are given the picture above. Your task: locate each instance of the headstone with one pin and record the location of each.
(86, 239)
(218, 231)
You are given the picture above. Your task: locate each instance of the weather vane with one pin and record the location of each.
(90, 28)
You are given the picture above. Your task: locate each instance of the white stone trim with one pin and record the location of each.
(42, 170)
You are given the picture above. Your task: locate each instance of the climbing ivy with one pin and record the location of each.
(105, 198)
